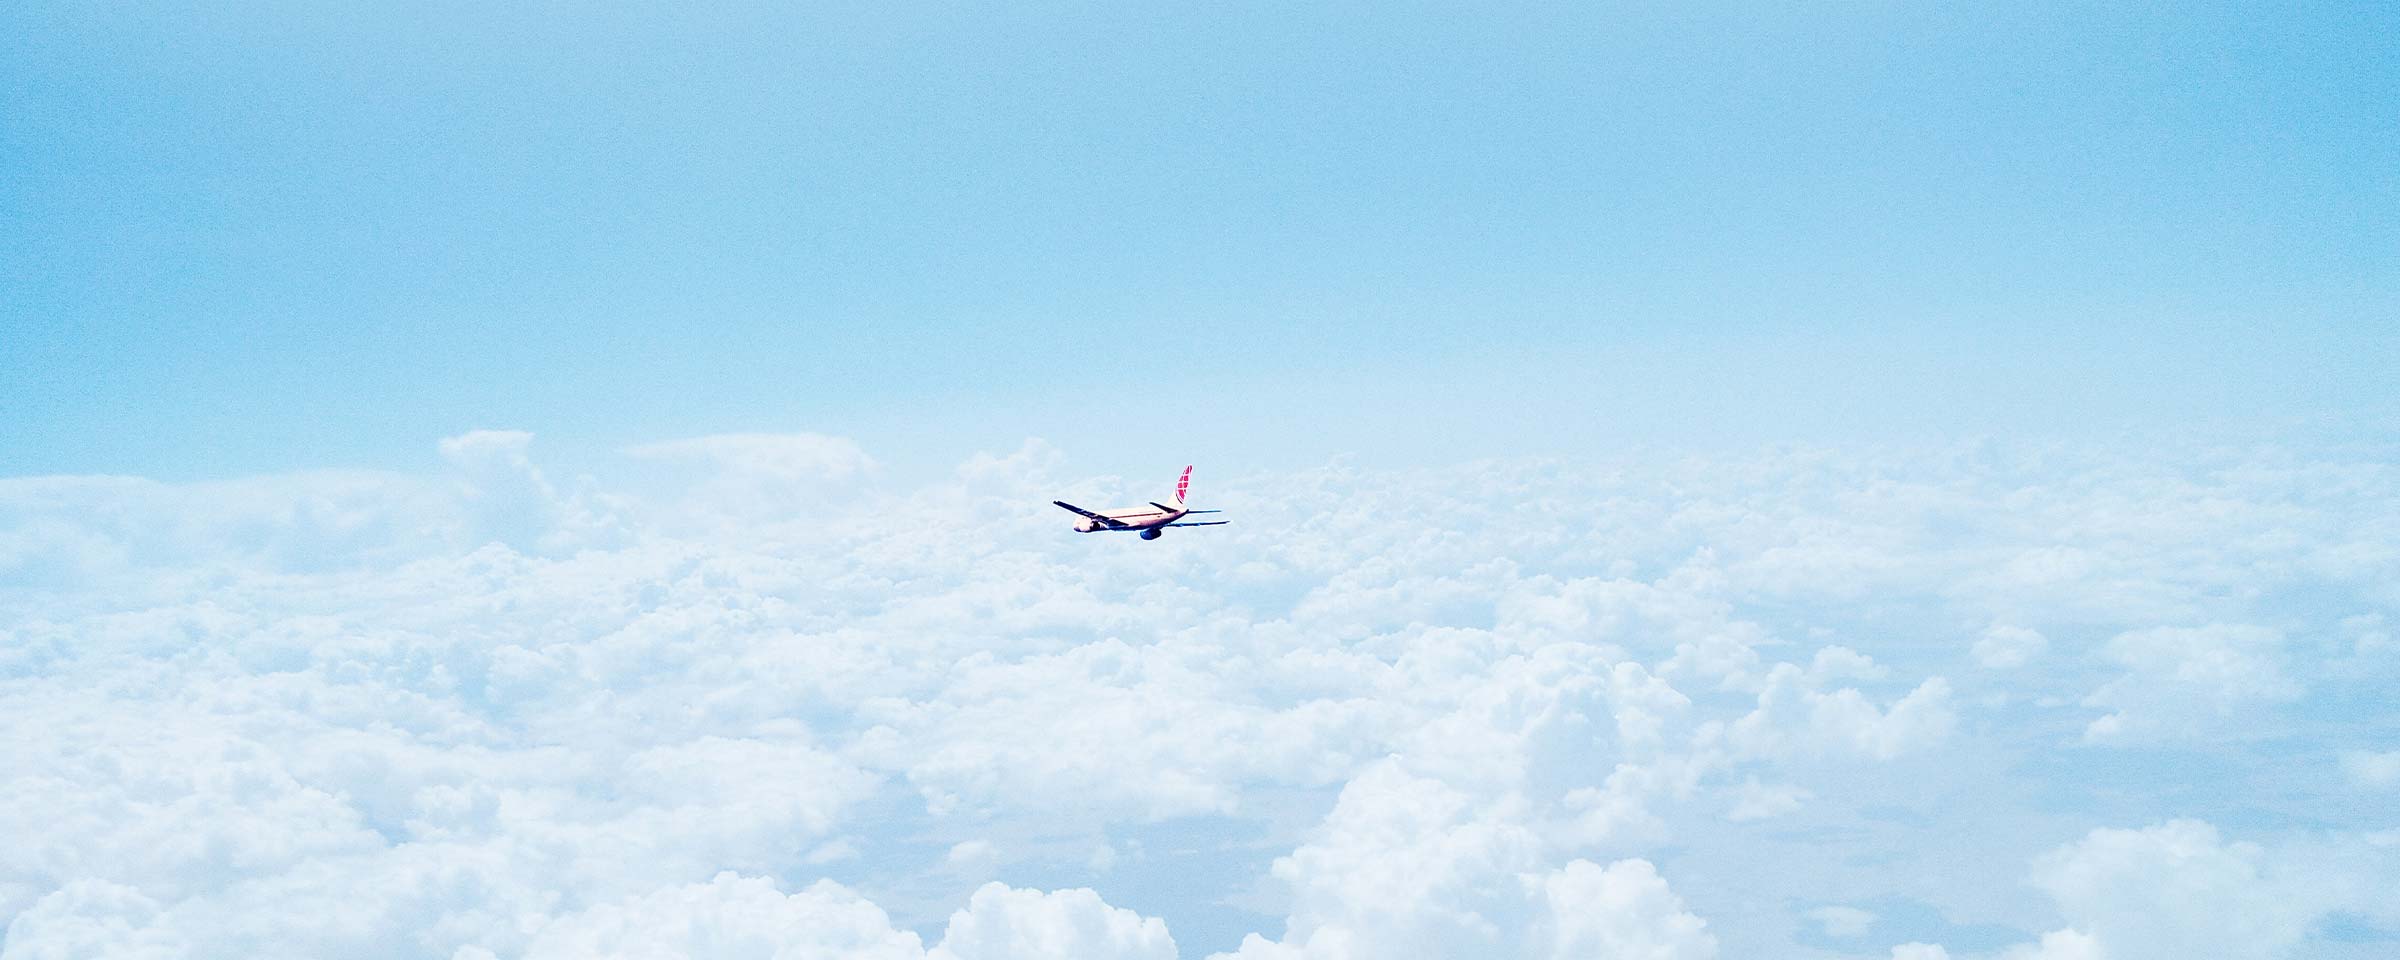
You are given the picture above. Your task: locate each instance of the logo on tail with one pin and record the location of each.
(1183, 485)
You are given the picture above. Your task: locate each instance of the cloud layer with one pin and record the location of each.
(746, 697)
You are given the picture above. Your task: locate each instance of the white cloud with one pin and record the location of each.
(1002, 923)
(2177, 889)
(728, 918)
(2174, 890)
(2057, 945)
(1757, 801)
(1407, 867)
(2003, 647)
(1841, 922)
(2372, 769)
(1842, 663)
(2180, 681)
(734, 917)
(972, 856)
(512, 502)
(92, 918)
(2368, 635)
(1793, 715)
(1482, 710)
(1622, 910)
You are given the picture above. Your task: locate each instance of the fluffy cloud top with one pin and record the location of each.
(720, 704)
(2176, 890)
(1005, 924)
(2184, 681)
(728, 918)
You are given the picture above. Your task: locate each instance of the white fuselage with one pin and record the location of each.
(1135, 517)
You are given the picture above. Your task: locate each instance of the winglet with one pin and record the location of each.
(1183, 485)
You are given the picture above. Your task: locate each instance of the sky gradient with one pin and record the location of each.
(273, 236)
(1867, 481)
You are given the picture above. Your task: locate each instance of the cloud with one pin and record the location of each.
(2057, 945)
(734, 917)
(1757, 801)
(2174, 890)
(2182, 681)
(2372, 769)
(92, 918)
(1407, 867)
(1622, 910)
(2004, 647)
(728, 918)
(1843, 923)
(510, 501)
(1792, 715)
(1002, 923)
(712, 691)
(2178, 889)
(753, 484)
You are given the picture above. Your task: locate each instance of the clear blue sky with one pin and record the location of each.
(299, 234)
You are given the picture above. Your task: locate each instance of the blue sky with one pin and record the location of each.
(1860, 482)
(282, 235)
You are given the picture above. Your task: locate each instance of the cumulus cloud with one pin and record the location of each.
(1756, 801)
(1622, 910)
(734, 917)
(511, 501)
(1793, 715)
(2056, 945)
(2179, 889)
(2181, 681)
(92, 918)
(728, 918)
(2003, 647)
(1002, 923)
(709, 701)
(1405, 866)
(2175, 890)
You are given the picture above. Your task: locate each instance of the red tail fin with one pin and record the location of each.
(1183, 485)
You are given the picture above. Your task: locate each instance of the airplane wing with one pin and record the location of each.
(1204, 523)
(1109, 522)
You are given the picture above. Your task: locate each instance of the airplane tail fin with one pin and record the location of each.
(1183, 485)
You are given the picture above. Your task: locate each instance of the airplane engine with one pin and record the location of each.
(1152, 533)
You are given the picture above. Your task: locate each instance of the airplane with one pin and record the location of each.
(1150, 521)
